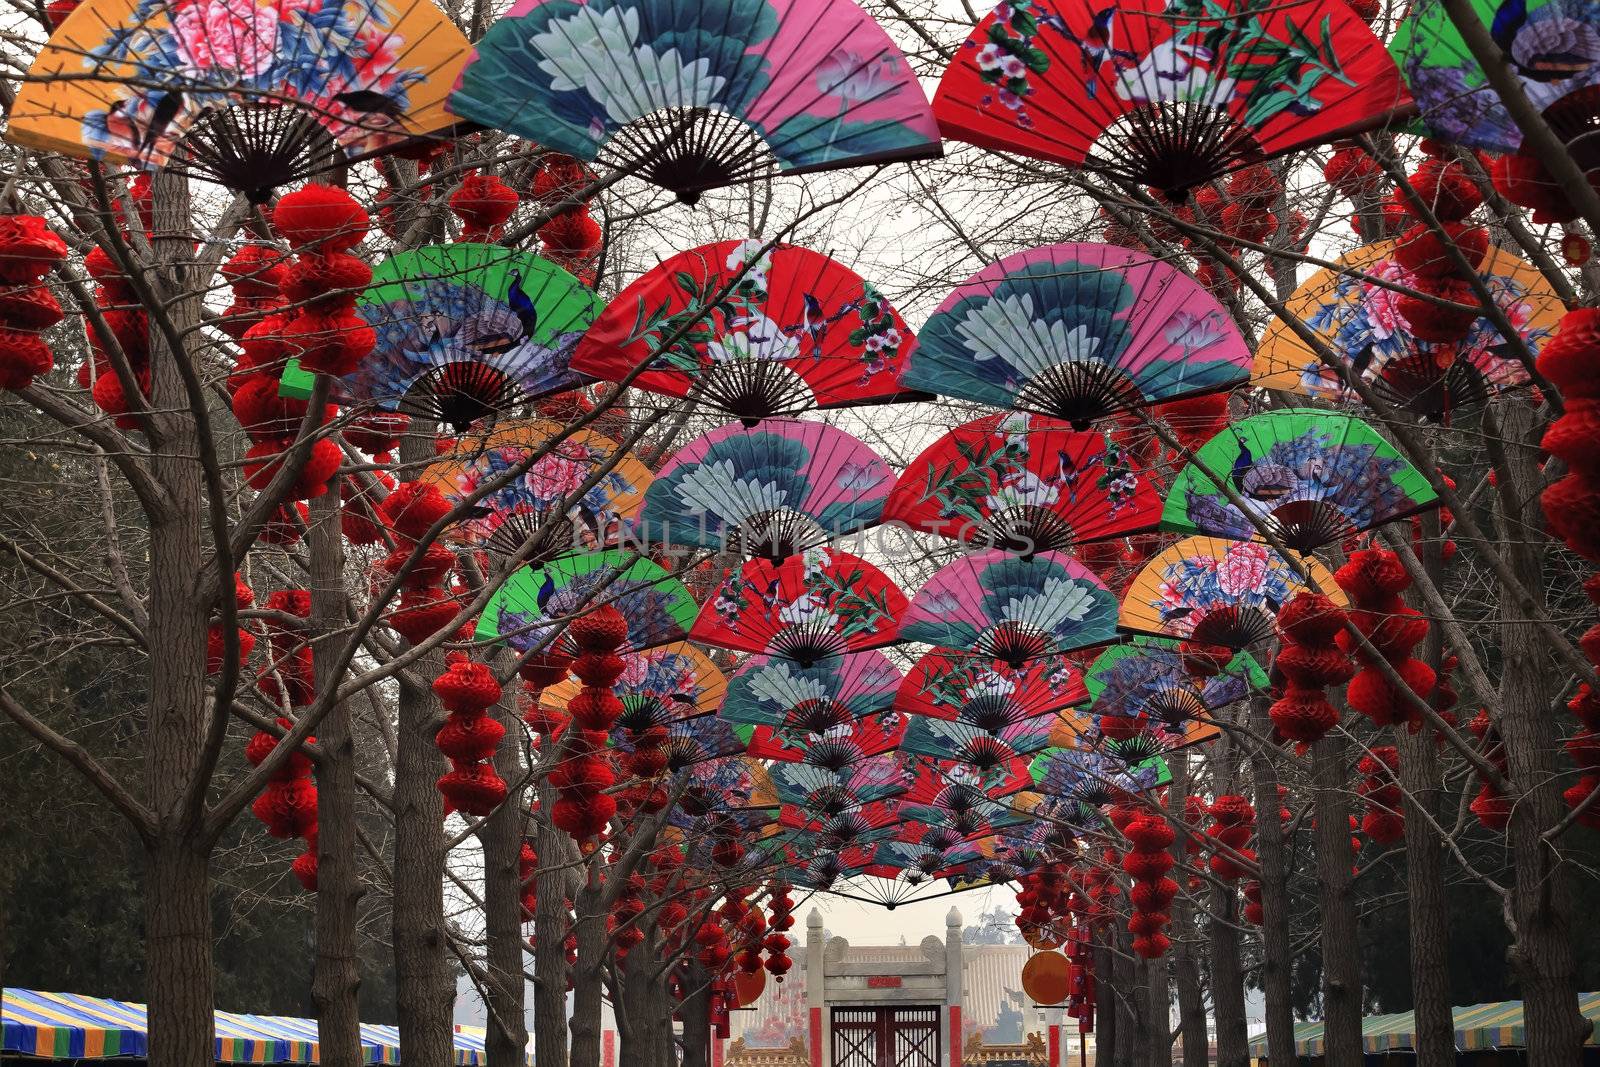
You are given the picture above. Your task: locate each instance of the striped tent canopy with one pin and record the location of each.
(65, 1026)
(1479, 1028)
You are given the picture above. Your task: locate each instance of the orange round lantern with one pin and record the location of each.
(748, 986)
(1047, 978)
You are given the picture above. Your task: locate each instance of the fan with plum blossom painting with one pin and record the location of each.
(693, 95)
(1358, 319)
(465, 332)
(1304, 476)
(1012, 608)
(545, 498)
(1024, 482)
(1168, 94)
(768, 491)
(1217, 592)
(820, 603)
(951, 684)
(1077, 332)
(251, 94)
(755, 329)
(531, 608)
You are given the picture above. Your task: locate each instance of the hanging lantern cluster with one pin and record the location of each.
(571, 239)
(243, 597)
(780, 920)
(1584, 746)
(469, 736)
(539, 671)
(1383, 821)
(1571, 360)
(289, 678)
(1233, 821)
(322, 224)
(1491, 807)
(713, 949)
(1522, 178)
(256, 274)
(1373, 579)
(1147, 863)
(1356, 176)
(1081, 991)
(377, 433)
(528, 874)
(288, 804)
(1044, 894)
(1310, 660)
(29, 250)
(129, 327)
(426, 605)
(1447, 547)
(626, 910)
(1445, 186)
(583, 771)
(483, 203)
(665, 865)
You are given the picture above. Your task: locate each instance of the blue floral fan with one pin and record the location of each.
(1012, 608)
(697, 94)
(1078, 332)
(771, 490)
(1095, 777)
(532, 608)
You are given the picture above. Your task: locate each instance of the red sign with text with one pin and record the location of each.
(883, 981)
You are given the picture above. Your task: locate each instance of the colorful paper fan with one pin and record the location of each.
(465, 332)
(1312, 477)
(1026, 483)
(730, 783)
(1357, 319)
(1168, 95)
(1077, 332)
(820, 603)
(964, 806)
(698, 740)
(538, 602)
(658, 687)
(982, 747)
(872, 734)
(252, 94)
(697, 95)
(769, 331)
(1012, 608)
(1550, 45)
(926, 860)
(1094, 777)
(1216, 592)
(1144, 688)
(509, 517)
(767, 491)
(951, 685)
(951, 785)
(828, 695)
(841, 780)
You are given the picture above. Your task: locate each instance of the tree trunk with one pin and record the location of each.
(423, 975)
(1275, 941)
(588, 976)
(1425, 899)
(551, 920)
(1125, 985)
(1227, 985)
(1541, 900)
(179, 971)
(1105, 1008)
(1185, 970)
(336, 980)
(506, 1044)
(695, 1011)
(1341, 964)
(1158, 1014)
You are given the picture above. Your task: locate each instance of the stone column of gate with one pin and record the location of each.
(952, 989)
(816, 991)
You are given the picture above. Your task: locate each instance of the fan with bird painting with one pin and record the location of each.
(754, 329)
(1149, 687)
(1077, 332)
(532, 607)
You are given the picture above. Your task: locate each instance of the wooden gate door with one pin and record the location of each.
(886, 1037)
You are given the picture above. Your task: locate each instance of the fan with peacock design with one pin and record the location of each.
(1217, 592)
(1357, 318)
(1012, 608)
(465, 333)
(757, 330)
(820, 603)
(1310, 477)
(696, 94)
(1166, 93)
(543, 502)
(252, 94)
(769, 491)
(1024, 482)
(532, 607)
(1077, 332)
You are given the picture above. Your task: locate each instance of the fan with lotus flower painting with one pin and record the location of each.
(1077, 332)
(251, 94)
(753, 329)
(1168, 94)
(820, 603)
(1217, 592)
(1303, 476)
(1026, 483)
(692, 95)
